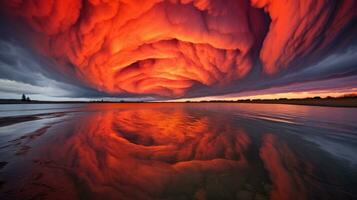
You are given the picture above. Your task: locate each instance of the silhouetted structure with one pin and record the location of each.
(23, 98)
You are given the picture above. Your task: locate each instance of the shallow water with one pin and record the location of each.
(179, 151)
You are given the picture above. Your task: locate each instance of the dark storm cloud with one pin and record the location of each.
(336, 65)
(17, 65)
(23, 72)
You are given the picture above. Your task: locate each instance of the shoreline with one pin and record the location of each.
(327, 102)
(349, 102)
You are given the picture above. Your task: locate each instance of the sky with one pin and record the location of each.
(154, 50)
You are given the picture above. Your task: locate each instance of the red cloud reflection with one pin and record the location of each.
(142, 154)
(166, 47)
(158, 152)
(281, 164)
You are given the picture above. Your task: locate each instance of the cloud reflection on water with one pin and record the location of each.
(163, 153)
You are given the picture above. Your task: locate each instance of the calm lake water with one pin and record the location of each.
(178, 151)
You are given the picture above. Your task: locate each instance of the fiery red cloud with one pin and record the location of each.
(167, 47)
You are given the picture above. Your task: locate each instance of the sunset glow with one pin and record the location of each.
(288, 95)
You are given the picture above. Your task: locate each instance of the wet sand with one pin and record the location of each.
(6, 121)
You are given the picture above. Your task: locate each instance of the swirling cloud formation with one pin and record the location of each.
(167, 47)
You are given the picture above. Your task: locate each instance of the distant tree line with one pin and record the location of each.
(25, 98)
(316, 98)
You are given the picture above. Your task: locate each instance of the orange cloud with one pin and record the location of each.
(167, 47)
